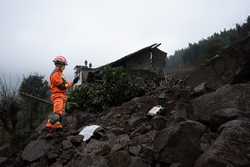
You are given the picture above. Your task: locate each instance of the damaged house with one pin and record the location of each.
(150, 58)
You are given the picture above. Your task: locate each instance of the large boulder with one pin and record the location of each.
(231, 148)
(221, 116)
(35, 150)
(228, 96)
(179, 143)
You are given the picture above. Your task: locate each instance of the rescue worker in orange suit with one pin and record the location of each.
(58, 89)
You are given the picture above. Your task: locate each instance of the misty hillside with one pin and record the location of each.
(198, 52)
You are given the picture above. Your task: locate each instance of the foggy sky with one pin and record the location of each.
(33, 32)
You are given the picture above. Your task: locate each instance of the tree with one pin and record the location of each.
(9, 107)
(34, 85)
(197, 53)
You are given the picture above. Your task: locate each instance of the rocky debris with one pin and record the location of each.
(66, 144)
(159, 122)
(224, 115)
(207, 139)
(120, 142)
(3, 160)
(134, 121)
(119, 159)
(180, 113)
(179, 143)
(205, 131)
(135, 150)
(231, 148)
(117, 131)
(228, 96)
(76, 140)
(95, 147)
(138, 162)
(147, 154)
(201, 89)
(4, 150)
(88, 161)
(35, 150)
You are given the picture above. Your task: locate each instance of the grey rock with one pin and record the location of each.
(180, 113)
(179, 143)
(138, 162)
(66, 144)
(201, 88)
(141, 130)
(223, 115)
(119, 159)
(147, 154)
(175, 165)
(4, 150)
(52, 155)
(135, 121)
(117, 131)
(228, 96)
(56, 164)
(35, 150)
(66, 156)
(3, 160)
(120, 142)
(76, 140)
(231, 148)
(96, 147)
(135, 150)
(88, 161)
(158, 122)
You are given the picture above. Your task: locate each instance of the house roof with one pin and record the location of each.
(125, 58)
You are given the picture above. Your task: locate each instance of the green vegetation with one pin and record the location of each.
(196, 53)
(33, 111)
(9, 108)
(19, 115)
(115, 87)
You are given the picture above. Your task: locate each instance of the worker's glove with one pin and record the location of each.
(75, 80)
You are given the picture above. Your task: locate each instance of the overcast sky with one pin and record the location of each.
(33, 32)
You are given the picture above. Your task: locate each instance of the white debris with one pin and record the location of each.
(88, 131)
(155, 110)
(200, 88)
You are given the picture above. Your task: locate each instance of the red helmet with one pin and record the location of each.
(60, 60)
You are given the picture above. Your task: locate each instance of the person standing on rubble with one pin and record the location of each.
(58, 89)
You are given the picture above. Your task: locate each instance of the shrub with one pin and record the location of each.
(116, 87)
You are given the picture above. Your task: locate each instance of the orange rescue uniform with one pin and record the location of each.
(58, 91)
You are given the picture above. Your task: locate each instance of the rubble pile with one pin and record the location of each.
(191, 128)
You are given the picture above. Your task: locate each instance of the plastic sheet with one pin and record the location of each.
(155, 110)
(88, 131)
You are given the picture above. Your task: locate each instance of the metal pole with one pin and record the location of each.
(35, 98)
